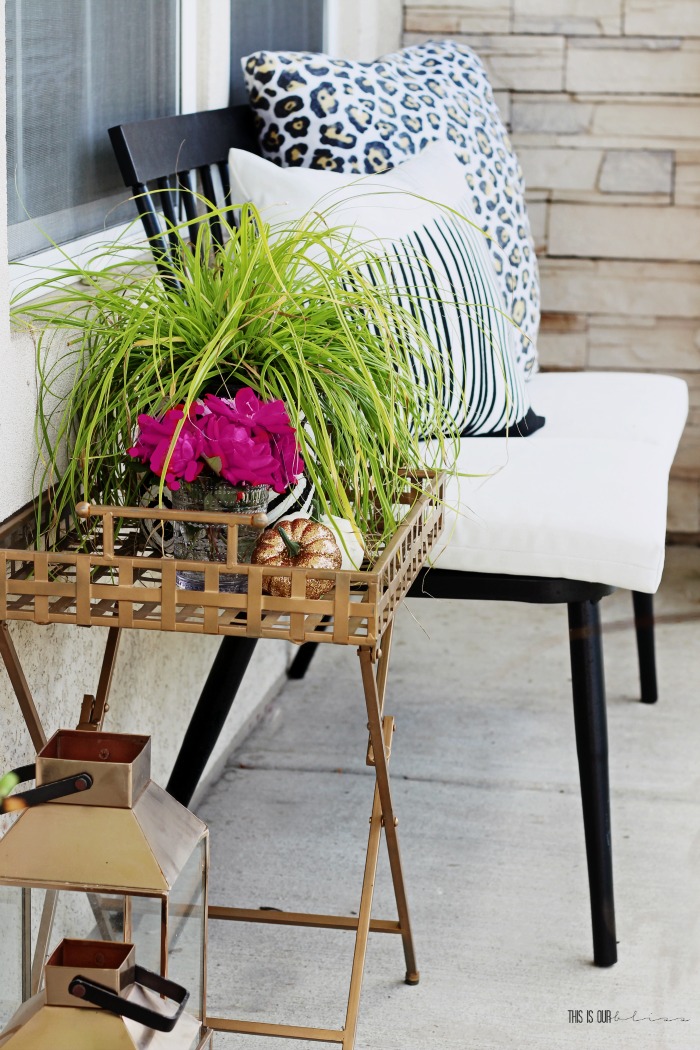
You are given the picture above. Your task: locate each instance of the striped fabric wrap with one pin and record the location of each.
(297, 500)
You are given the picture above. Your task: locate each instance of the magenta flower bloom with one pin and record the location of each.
(245, 440)
(155, 438)
(247, 409)
(243, 457)
(266, 421)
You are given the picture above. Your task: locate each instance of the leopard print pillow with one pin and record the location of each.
(318, 112)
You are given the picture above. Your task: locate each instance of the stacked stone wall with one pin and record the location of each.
(602, 98)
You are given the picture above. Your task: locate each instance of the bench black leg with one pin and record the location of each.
(209, 716)
(305, 654)
(303, 657)
(592, 748)
(644, 626)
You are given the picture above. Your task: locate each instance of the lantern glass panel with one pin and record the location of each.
(32, 920)
(187, 929)
(11, 911)
(146, 930)
(87, 916)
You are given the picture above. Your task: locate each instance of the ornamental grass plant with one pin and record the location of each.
(289, 312)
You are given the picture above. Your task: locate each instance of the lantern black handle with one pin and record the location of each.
(44, 792)
(106, 999)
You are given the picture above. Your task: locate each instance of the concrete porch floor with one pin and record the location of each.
(486, 786)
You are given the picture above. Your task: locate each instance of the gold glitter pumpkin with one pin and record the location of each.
(302, 543)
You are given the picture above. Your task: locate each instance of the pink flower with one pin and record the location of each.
(247, 409)
(267, 421)
(155, 438)
(244, 458)
(253, 441)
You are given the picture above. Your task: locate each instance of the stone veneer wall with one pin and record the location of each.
(602, 98)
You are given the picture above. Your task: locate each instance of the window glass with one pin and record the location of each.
(295, 25)
(74, 68)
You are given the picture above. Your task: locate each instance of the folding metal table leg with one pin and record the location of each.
(95, 707)
(376, 823)
(383, 655)
(363, 925)
(22, 690)
(374, 667)
(381, 769)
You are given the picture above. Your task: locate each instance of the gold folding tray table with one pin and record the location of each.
(122, 584)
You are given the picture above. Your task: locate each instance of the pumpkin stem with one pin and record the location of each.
(292, 546)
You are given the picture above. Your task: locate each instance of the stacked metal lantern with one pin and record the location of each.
(116, 858)
(124, 1000)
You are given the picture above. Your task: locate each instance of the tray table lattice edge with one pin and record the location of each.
(125, 585)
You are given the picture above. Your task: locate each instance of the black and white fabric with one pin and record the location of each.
(333, 114)
(435, 257)
(298, 500)
(440, 277)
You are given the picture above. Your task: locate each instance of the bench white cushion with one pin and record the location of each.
(585, 497)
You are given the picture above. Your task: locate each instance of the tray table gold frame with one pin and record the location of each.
(120, 584)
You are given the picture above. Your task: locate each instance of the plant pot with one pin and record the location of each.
(208, 542)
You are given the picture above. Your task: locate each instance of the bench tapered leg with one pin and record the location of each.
(644, 626)
(302, 658)
(218, 693)
(592, 748)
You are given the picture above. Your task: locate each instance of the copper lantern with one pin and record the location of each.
(101, 852)
(96, 995)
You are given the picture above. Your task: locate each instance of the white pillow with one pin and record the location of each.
(439, 261)
(315, 111)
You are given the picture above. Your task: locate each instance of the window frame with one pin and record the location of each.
(29, 270)
(203, 73)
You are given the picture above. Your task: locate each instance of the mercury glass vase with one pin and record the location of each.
(208, 542)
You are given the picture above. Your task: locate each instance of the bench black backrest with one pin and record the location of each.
(187, 152)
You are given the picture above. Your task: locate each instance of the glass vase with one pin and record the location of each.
(204, 542)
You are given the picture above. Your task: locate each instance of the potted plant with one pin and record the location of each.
(224, 454)
(291, 313)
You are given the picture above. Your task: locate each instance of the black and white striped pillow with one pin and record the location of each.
(314, 111)
(442, 276)
(419, 220)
